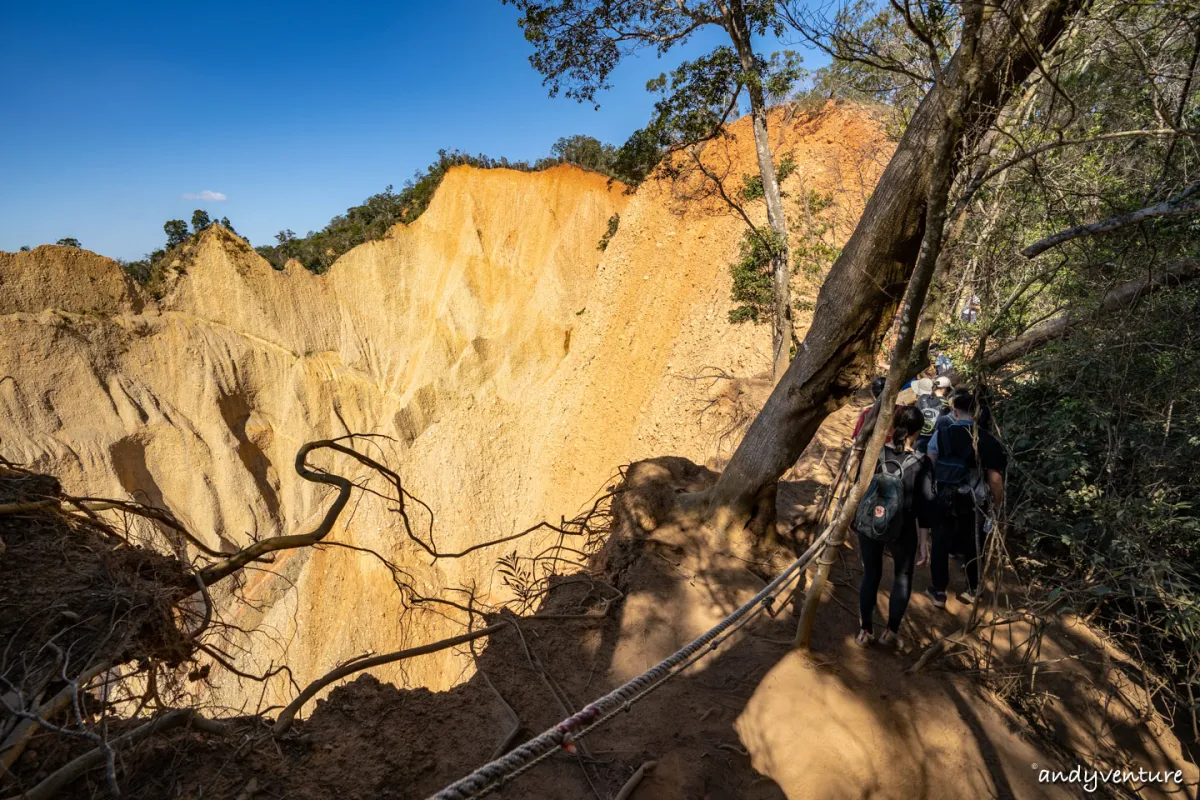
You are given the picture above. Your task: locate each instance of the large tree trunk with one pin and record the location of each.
(781, 275)
(941, 177)
(859, 298)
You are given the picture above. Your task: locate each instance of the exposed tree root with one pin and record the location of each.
(634, 780)
(288, 715)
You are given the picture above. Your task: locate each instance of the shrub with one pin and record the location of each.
(752, 187)
(613, 222)
(753, 289)
(1104, 430)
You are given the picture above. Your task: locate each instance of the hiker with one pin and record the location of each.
(941, 360)
(894, 515)
(876, 390)
(968, 471)
(970, 312)
(933, 405)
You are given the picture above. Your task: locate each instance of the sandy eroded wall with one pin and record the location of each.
(514, 365)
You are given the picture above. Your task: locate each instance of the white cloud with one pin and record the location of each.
(207, 194)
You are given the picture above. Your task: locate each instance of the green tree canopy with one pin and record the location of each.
(584, 151)
(69, 241)
(177, 232)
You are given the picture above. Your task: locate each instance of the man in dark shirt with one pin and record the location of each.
(969, 465)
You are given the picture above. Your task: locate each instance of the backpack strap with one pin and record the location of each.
(884, 460)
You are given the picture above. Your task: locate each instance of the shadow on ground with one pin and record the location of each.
(753, 720)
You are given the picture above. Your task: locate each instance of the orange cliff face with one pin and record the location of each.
(513, 365)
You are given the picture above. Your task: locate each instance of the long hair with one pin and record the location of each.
(907, 422)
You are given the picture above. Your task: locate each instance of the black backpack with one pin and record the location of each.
(931, 408)
(880, 514)
(954, 472)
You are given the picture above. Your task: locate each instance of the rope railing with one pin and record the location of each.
(562, 736)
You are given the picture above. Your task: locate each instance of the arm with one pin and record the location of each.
(924, 504)
(996, 482)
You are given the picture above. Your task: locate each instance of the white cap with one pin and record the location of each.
(942, 382)
(922, 387)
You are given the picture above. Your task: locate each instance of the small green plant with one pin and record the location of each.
(752, 188)
(613, 223)
(812, 254)
(753, 290)
(517, 577)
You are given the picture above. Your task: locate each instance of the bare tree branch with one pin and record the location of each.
(1168, 208)
(1120, 297)
(58, 780)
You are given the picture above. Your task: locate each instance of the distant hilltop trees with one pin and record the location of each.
(370, 221)
(66, 241)
(177, 234)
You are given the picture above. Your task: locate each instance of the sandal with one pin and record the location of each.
(864, 639)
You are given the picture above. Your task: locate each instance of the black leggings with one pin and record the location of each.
(904, 555)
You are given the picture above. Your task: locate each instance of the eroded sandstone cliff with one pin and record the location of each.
(513, 364)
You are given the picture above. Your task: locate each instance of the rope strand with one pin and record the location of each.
(520, 759)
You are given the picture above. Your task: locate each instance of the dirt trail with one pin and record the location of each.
(754, 719)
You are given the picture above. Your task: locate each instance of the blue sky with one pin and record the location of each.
(291, 111)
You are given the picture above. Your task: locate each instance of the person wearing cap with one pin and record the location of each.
(934, 404)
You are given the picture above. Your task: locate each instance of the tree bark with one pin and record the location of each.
(940, 180)
(781, 275)
(859, 298)
(1123, 296)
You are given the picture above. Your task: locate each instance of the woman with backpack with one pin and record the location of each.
(894, 515)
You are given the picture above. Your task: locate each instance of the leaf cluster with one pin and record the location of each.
(753, 290)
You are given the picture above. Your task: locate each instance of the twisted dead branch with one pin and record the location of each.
(204, 628)
(288, 715)
(13, 746)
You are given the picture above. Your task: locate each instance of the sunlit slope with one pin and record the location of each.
(512, 363)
